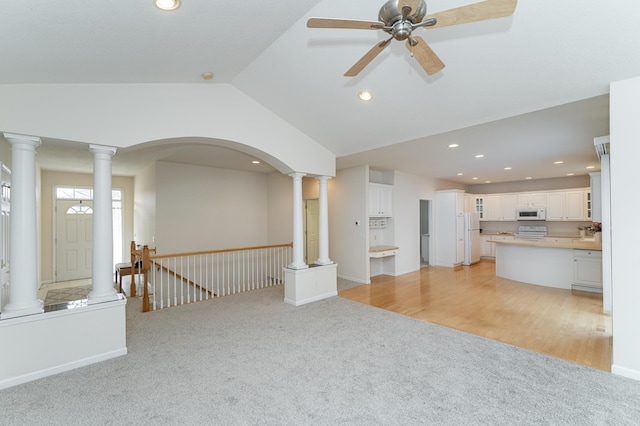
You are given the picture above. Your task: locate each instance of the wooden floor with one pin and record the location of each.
(561, 323)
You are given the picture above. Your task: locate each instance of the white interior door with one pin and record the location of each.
(74, 239)
(311, 232)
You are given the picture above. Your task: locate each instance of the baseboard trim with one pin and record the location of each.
(311, 299)
(625, 372)
(18, 380)
(356, 280)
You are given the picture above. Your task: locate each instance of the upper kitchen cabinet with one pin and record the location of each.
(532, 199)
(567, 205)
(492, 207)
(508, 204)
(380, 200)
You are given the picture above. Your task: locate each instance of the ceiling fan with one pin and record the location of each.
(400, 17)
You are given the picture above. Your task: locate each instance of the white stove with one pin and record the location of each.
(531, 232)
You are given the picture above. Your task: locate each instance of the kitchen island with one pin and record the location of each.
(551, 264)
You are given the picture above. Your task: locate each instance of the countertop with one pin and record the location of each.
(374, 249)
(581, 245)
(513, 234)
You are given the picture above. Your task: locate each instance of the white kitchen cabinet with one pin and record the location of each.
(449, 227)
(479, 206)
(492, 207)
(587, 270)
(380, 200)
(532, 199)
(508, 204)
(487, 246)
(567, 205)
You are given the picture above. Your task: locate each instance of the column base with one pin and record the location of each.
(324, 262)
(310, 285)
(298, 266)
(14, 312)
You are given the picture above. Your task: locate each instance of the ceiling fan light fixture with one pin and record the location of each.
(365, 95)
(167, 4)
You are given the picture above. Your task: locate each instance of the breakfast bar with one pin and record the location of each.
(568, 265)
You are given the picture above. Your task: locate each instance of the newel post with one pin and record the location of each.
(145, 268)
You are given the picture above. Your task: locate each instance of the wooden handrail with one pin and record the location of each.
(196, 253)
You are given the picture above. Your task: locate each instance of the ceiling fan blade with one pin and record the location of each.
(488, 9)
(426, 57)
(367, 58)
(343, 23)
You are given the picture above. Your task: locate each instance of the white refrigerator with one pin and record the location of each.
(472, 241)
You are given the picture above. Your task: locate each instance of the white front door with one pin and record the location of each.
(74, 239)
(311, 233)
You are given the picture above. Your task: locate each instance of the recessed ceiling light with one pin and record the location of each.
(479, 155)
(528, 177)
(507, 168)
(207, 75)
(453, 145)
(558, 162)
(487, 181)
(474, 178)
(365, 95)
(591, 167)
(460, 174)
(570, 174)
(255, 162)
(167, 4)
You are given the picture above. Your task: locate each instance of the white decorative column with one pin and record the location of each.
(103, 289)
(298, 240)
(23, 282)
(323, 225)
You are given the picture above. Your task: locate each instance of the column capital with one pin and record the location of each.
(323, 179)
(297, 175)
(22, 139)
(101, 149)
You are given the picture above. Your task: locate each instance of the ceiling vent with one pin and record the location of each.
(602, 145)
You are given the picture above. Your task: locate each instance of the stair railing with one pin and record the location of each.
(176, 279)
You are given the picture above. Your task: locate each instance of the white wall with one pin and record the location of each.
(531, 185)
(348, 242)
(279, 209)
(625, 233)
(123, 115)
(144, 213)
(205, 208)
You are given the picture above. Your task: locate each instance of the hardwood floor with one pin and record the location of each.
(561, 323)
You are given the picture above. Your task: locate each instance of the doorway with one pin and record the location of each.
(74, 239)
(311, 209)
(425, 233)
(73, 232)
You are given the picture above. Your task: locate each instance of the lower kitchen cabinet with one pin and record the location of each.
(587, 270)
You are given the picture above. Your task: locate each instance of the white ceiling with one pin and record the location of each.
(493, 97)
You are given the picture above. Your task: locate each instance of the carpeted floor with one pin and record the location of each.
(252, 359)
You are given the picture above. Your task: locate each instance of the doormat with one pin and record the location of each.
(69, 294)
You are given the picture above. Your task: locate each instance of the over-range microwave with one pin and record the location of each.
(531, 213)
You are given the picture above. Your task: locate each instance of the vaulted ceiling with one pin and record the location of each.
(525, 91)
